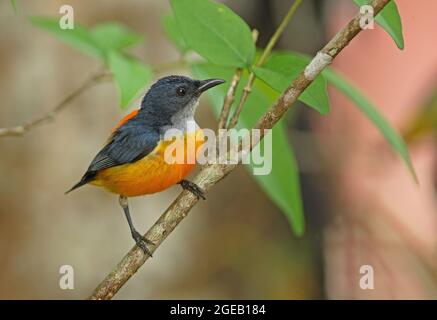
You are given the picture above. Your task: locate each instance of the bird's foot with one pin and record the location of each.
(142, 242)
(193, 188)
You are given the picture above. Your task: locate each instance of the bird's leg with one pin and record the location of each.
(193, 188)
(139, 239)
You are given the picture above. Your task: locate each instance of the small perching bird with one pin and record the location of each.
(132, 162)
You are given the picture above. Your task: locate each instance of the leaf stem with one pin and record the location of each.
(274, 39)
(234, 119)
(268, 49)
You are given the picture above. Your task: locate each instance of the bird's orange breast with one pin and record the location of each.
(154, 172)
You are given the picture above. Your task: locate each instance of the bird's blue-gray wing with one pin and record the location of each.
(128, 144)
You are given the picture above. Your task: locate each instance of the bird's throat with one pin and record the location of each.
(183, 120)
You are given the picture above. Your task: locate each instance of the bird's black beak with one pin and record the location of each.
(208, 84)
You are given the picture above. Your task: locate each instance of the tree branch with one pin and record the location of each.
(323, 58)
(211, 174)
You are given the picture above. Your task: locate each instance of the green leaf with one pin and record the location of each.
(281, 69)
(282, 184)
(114, 36)
(390, 20)
(78, 38)
(97, 42)
(373, 114)
(105, 41)
(130, 75)
(14, 5)
(215, 32)
(173, 32)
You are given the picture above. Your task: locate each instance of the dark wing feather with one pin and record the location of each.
(127, 144)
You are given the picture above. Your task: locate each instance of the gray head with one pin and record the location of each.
(175, 94)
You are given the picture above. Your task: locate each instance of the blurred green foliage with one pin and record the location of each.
(130, 75)
(97, 41)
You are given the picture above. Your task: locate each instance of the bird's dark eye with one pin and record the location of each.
(181, 91)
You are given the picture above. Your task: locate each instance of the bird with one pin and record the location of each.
(132, 163)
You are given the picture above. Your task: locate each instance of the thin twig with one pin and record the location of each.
(274, 39)
(247, 89)
(229, 99)
(101, 75)
(22, 129)
(213, 173)
(272, 42)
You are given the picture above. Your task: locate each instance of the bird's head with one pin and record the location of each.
(176, 95)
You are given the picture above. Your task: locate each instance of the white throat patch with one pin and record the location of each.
(181, 119)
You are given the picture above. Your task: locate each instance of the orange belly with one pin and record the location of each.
(150, 174)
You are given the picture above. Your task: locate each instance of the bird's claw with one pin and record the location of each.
(193, 188)
(142, 242)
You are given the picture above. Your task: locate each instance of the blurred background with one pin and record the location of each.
(361, 205)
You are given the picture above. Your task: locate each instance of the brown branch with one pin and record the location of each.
(317, 64)
(211, 174)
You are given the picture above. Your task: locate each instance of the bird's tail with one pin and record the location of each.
(88, 177)
(77, 185)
